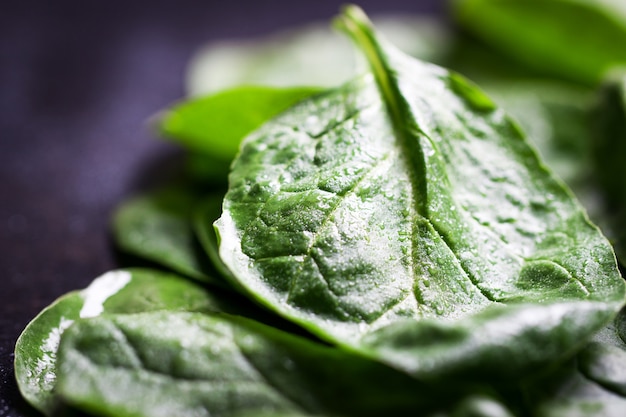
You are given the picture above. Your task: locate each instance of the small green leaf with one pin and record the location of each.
(548, 35)
(405, 216)
(121, 291)
(216, 124)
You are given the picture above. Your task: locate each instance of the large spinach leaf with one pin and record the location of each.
(185, 364)
(404, 216)
(546, 34)
(121, 291)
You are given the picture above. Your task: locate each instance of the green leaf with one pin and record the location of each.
(573, 39)
(403, 215)
(186, 364)
(594, 383)
(309, 55)
(121, 291)
(157, 226)
(216, 124)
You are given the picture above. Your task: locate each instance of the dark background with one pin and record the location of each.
(78, 80)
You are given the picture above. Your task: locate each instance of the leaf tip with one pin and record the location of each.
(351, 17)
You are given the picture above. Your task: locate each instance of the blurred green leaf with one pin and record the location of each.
(216, 124)
(578, 40)
(157, 226)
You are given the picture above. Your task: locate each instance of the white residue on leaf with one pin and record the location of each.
(44, 373)
(100, 290)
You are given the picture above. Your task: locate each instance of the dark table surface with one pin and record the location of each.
(78, 80)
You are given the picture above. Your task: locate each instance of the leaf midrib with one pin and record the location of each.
(406, 131)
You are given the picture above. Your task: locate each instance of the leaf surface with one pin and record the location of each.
(187, 364)
(405, 216)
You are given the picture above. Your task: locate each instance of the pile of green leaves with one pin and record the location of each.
(384, 241)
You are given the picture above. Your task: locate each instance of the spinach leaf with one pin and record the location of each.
(120, 291)
(593, 383)
(404, 216)
(157, 226)
(189, 364)
(546, 34)
(310, 55)
(216, 124)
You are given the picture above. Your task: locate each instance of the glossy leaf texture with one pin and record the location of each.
(546, 34)
(609, 154)
(404, 216)
(157, 226)
(215, 125)
(120, 292)
(186, 364)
